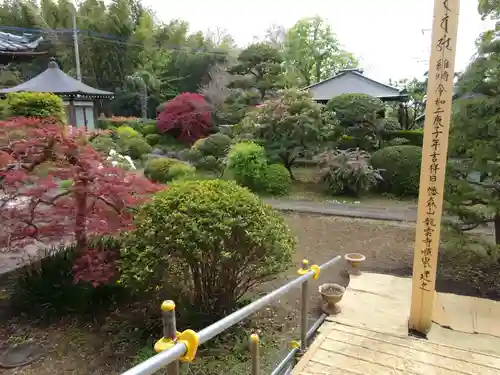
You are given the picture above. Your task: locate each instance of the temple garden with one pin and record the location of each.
(172, 208)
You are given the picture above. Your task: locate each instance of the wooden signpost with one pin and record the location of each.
(434, 155)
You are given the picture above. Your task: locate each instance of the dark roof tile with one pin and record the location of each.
(54, 80)
(17, 43)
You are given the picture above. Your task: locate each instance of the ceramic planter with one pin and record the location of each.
(331, 294)
(355, 260)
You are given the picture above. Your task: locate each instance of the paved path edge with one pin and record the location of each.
(331, 211)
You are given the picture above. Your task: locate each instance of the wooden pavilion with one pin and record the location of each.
(78, 97)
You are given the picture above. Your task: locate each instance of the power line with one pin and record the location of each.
(113, 38)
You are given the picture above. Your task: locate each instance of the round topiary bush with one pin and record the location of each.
(136, 147)
(277, 180)
(104, 143)
(400, 169)
(247, 162)
(223, 240)
(209, 153)
(35, 104)
(125, 131)
(148, 128)
(181, 171)
(153, 139)
(160, 169)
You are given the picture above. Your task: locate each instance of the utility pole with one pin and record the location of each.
(75, 42)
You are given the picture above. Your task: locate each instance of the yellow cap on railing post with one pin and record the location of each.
(171, 336)
(315, 268)
(254, 354)
(169, 327)
(304, 268)
(191, 340)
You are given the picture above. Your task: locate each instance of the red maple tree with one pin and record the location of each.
(187, 117)
(55, 187)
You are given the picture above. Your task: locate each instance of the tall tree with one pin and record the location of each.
(407, 113)
(489, 8)
(474, 184)
(314, 52)
(276, 36)
(259, 66)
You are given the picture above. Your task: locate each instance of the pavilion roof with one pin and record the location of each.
(54, 80)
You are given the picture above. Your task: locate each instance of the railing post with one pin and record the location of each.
(304, 307)
(169, 334)
(254, 353)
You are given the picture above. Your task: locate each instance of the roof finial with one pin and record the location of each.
(53, 63)
(346, 70)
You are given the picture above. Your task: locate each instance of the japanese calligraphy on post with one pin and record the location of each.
(434, 155)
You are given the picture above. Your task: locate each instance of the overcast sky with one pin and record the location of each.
(385, 34)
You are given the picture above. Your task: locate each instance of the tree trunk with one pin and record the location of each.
(288, 161)
(262, 94)
(497, 227)
(81, 216)
(289, 168)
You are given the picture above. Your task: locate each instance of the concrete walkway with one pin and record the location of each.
(407, 214)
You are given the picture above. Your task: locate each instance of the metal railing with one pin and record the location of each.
(175, 346)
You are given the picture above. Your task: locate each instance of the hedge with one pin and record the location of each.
(400, 169)
(415, 137)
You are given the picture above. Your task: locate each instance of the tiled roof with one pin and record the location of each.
(17, 43)
(54, 80)
(350, 81)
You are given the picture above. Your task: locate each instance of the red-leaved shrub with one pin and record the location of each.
(187, 117)
(55, 187)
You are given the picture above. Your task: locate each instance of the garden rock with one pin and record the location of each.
(157, 151)
(21, 355)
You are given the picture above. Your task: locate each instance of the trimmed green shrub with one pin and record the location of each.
(210, 240)
(35, 104)
(356, 109)
(414, 137)
(398, 142)
(391, 124)
(347, 142)
(153, 139)
(46, 287)
(277, 180)
(169, 143)
(148, 128)
(126, 132)
(136, 148)
(131, 142)
(158, 170)
(181, 171)
(104, 143)
(139, 124)
(348, 172)
(400, 169)
(247, 163)
(4, 109)
(216, 144)
(209, 153)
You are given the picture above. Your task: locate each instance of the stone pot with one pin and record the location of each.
(331, 294)
(355, 260)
